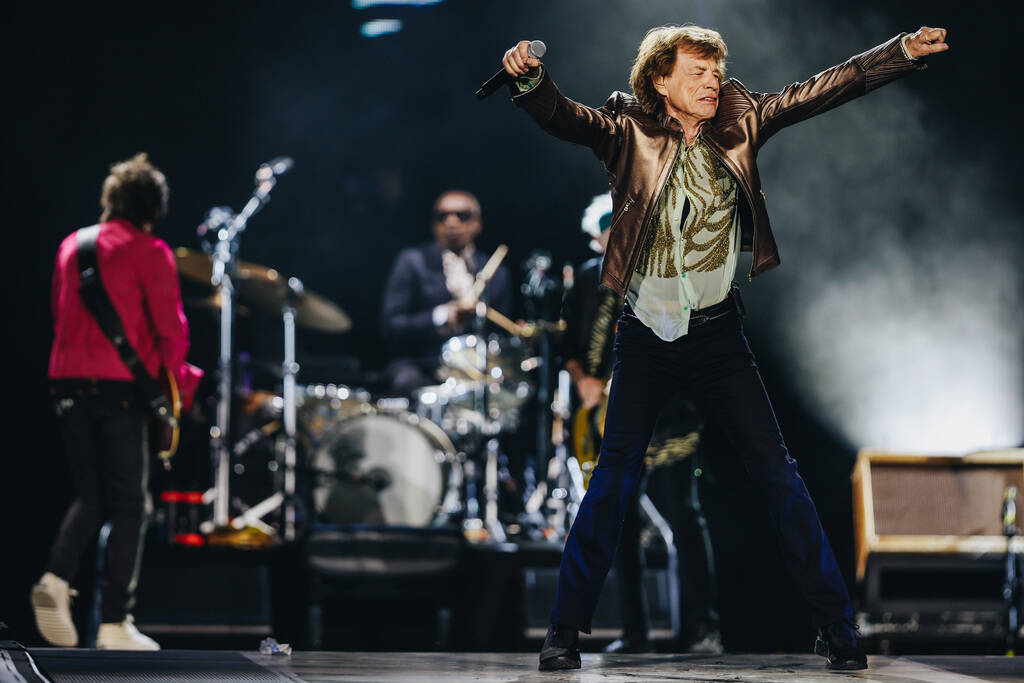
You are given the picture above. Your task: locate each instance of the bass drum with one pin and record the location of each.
(386, 469)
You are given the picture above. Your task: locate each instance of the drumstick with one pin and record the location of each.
(504, 322)
(487, 272)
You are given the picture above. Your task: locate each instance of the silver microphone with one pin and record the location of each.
(536, 50)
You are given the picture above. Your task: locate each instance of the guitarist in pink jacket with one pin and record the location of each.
(102, 414)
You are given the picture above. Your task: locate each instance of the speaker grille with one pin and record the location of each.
(956, 499)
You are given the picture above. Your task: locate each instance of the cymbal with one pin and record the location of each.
(211, 302)
(268, 290)
(318, 313)
(197, 265)
(269, 293)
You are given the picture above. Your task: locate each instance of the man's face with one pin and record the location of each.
(456, 221)
(690, 90)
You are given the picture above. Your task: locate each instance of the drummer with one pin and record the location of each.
(429, 294)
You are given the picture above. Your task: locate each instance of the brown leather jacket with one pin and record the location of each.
(638, 150)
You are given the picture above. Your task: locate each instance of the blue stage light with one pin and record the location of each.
(380, 27)
(364, 4)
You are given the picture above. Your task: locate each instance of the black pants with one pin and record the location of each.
(629, 565)
(105, 436)
(714, 368)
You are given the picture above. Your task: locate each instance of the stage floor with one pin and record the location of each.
(394, 667)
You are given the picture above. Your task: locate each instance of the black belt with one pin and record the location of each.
(114, 391)
(731, 304)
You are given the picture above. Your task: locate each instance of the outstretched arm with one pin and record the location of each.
(535, 92)
(851, 79)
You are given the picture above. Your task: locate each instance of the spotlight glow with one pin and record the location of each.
(899, 370)
(380, 27)
(365, 4)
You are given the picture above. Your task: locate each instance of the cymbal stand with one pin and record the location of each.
(489, 428)
(490, 447)
(287, 444)
(491, 522)
(557, 496)
(227, 230)
(290, 368)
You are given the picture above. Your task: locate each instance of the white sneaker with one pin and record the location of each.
(123, 636)
(51, 603)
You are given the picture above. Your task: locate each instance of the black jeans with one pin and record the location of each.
(105, 435)
(715, 369)
(629, 564)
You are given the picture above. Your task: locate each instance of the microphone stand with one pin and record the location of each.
(228, 231)
(1011, 585)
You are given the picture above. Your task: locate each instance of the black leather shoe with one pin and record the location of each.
(837, 643)
(561, 649)
(627, 646)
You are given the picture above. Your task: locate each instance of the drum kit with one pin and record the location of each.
(340, 455)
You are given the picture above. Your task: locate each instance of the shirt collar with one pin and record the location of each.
(466, 254)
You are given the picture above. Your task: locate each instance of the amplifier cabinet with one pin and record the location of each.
(932, 503)
(929, 538)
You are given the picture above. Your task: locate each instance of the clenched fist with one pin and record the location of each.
(925, 41)
(517, 60)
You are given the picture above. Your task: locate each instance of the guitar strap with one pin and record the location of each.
(95, 297)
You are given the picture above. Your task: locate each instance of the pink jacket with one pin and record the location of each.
(141, 279)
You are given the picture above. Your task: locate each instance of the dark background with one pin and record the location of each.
(379, 127)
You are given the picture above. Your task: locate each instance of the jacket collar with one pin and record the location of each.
(666, 121)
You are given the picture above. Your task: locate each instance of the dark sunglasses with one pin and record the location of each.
(463, 216)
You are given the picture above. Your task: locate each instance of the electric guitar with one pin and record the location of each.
(665, 448)
(165, 422)
(587, 432)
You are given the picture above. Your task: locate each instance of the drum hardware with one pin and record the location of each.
(284, 499)
(253, 437)
(211, 302)
(500, 379)
(227, 228)
(386, 468)
(552, 501)
(265, 288)
(492, 393)
(484, 391)
(322, 405)
(557, 496)
(289, 369)
(491, 522)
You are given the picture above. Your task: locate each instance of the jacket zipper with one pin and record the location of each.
(644, 227)
(750, 203)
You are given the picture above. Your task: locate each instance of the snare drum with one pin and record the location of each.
(319, 406)
(504, 381)
(391, 468)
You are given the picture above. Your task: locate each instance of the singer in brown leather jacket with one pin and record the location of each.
(681, 159)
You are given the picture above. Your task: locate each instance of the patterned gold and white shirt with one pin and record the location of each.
(688, 259)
